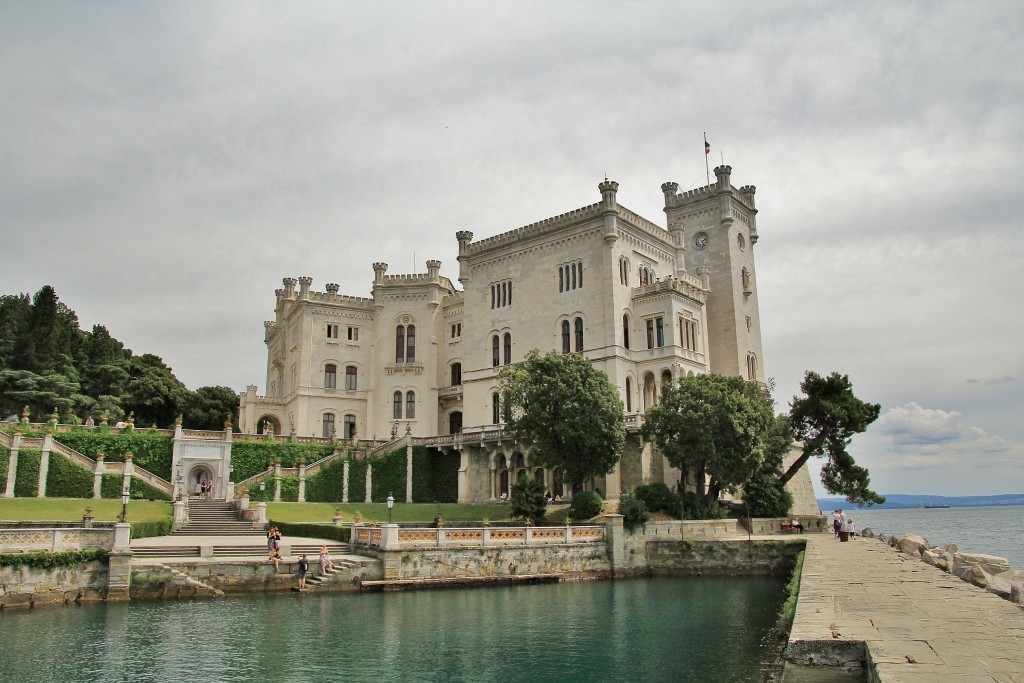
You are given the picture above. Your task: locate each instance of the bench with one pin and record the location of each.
(790, 526)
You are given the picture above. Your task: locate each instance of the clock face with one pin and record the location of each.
(701, 240)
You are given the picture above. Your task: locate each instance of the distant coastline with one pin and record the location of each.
(896, 501)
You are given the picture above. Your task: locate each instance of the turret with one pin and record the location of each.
(747, 193)
(304, 283)
(669, 189)
(332, 288)
(289, 287)
(724, 191)
(464, 237)
(609, 188)
(433, 270)
(379, 268)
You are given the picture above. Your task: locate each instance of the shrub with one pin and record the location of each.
(65, 479)
(766, 497)
(159, 527)
(151, 450)
(251, 457)
(26, 479)
(698, 507)
(5, 457)
(634, 512)
(528, 500)
(41, 559)
(585, 505)
(110, 487)
(655, 497)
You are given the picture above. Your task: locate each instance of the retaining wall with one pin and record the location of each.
(24, 586)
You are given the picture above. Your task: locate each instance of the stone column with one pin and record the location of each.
(179, 514)
(12, 466)
(302, 482)
(129, 468)
(389, 536)
(344, 482)
(261, 513)
(369, 483)
(616, 541)
(44, 463)
(463, 494)
(97, 476)
(408, 467)
(491, 490)
(277, 482)
(613, 482)
(122, 536)
(119, 564)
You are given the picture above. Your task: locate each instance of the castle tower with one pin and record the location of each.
(717, 228)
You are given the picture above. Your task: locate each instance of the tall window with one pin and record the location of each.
(396, 410)
(623, 271)
(507, 342)
(650, 334)
(655, 333)
(332, 332)
(629, 395)
(350, 426)
(456, 374)
(353, 334)
(410, 405)
(625, 331)
(751, 366)
(495, 352)
(579, 334)
(561, 279)
(501, 294)
(495, 408)
(328, 425)
(330, 376)
(688, 333)
(350, 377)
(405, 344)
(570, 276)
(659, 325)
(565, 336)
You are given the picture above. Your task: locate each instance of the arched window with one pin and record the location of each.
(350, 377)
(410, 405)
(495, 408)
(456, 374)
(328, 425)
(581, 273)
(565, 336)
(510, 294)
(508, 348)
(751, 367)
(330, 376)
(495, 352)
(396, 411)
(493, 297)
(666, 379)
(410, 344)
(350, 426)
(400, 344)
(629, 395)
(561, 279)
(625, 331)
(574, 276)
(504, 293)
(579, 334)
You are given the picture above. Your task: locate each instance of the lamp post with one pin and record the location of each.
(125, 496)
(391, 506)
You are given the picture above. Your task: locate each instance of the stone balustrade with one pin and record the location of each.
(394, 537)
(55, 539)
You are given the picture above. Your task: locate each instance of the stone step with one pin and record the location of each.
(167, 551)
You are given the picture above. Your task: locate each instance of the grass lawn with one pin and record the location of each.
(72, 509)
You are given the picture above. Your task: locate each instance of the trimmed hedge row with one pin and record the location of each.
(152, 451)
(110, 487)
(251, 457)
(159, 527)
(325, 531)
(26, 479)
(65, 479)
(5, 457)
(41, 559)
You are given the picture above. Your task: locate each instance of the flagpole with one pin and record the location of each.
(707, 150)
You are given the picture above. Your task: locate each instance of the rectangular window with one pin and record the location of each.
(332, 332)
(650, 334)
(330, 377)
(350, 426)
(353, 334)
(660, 325)
(350, 378)
(328, 425)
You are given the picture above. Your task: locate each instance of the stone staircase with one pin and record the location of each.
(246, 552)
(183, 581)
(215, 518)
(342, 571)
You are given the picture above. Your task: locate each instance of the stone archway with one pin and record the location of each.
(195, 476)
(268, 422)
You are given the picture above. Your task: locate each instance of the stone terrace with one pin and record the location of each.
(912, 622)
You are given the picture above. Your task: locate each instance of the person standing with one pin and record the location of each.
(303, 568)
(325, 560)
(837, 521)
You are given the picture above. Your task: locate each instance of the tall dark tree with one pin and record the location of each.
(105, 370)
(210, 408)
(15, 311)
(825, 419)
(53, 342)
(568, 411)
(153, 393)
(713, 425)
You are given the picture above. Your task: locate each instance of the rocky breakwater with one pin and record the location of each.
(990, 572)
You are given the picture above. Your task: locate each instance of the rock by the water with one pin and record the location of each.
(951, 548)
(868, 533)
(912, 544)
(991, 564)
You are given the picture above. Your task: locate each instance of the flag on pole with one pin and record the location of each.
(707, 146)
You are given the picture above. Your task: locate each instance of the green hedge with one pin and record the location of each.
(5, 458)
(26, 481)
(325, 531)
(152, 451)
(160, 527)
(788, 613)
(289, 490)
(41, 559)
(251, 457)
(65, 479)
(110, 487)
(326, 485)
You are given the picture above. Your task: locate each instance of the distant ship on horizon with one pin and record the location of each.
(937, 505)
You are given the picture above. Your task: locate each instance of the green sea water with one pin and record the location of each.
(664, 629)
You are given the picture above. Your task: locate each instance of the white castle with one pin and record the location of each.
(421, 355)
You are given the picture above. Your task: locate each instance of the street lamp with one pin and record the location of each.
(125, 496)
(391, 506)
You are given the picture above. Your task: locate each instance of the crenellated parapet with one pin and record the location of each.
(535, 229)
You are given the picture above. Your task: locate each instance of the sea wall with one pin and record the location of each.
(25, 586)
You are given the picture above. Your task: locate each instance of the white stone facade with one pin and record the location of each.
(644, 303)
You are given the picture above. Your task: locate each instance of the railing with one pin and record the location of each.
(54, 539)
(393, 537)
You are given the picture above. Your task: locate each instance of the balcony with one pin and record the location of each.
(404, 368)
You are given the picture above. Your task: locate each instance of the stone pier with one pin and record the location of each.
(905, 621)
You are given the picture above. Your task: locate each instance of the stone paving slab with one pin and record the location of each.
(916, 622)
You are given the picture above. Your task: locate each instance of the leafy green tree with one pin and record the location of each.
(568, 411)
(153, 393)
(105, 370)
(528, 500)
(765, 493)
(825, 419)
(54, 339)
(715, 425)
(41, 393)
(633, 510)
(210, 407)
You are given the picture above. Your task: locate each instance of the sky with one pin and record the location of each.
(165, 164)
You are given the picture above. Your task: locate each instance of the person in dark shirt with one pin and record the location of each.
(303, 569)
